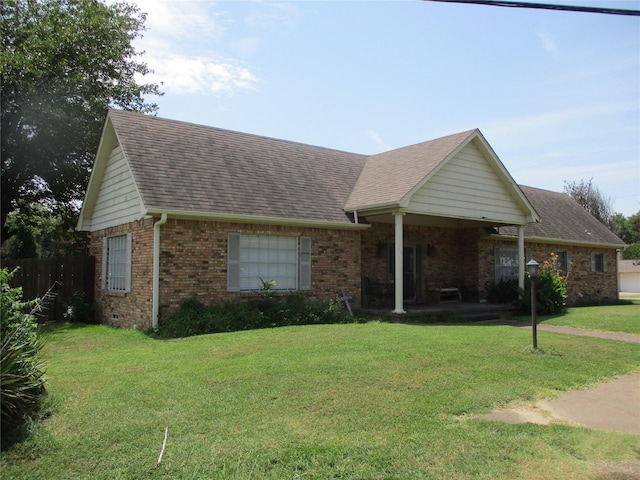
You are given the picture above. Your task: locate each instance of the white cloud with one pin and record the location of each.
(181, 74)
(270, 14)
(182, 47)
(246, 46)
(181, 18)
(378, 141)
(513, 131)
(548, 42)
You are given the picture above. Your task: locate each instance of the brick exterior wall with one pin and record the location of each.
(447, 257)
(582, 284)
(193, 261)
(135, 307)
(193, 264)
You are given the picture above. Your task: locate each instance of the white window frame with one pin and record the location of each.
(252, 259)
(116, 263)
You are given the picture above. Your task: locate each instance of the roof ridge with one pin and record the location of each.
(230, 131)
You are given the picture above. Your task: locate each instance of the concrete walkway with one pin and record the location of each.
(611, 405)
(622, 337)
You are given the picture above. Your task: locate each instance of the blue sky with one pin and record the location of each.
(556, 94)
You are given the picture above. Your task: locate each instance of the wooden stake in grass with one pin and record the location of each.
(164, 444)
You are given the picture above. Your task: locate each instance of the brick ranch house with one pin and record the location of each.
(178, 211)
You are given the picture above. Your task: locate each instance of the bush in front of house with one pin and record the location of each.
(505, 292)
(551, 289)
(78, 310)
(266, 311)
(21, 367)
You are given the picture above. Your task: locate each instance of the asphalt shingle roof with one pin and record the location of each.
(181, 166)
(561, 217)
(389, 176)
(185, 167)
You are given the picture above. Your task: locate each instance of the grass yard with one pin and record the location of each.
(359, 401)
(611, 318)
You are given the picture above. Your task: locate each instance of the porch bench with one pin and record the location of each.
(442, 295)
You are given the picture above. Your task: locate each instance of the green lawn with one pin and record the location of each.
(365, 401)
(612, 318)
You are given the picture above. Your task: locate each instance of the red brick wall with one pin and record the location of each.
(135, 307)
(449, 256)
(193, 264)
(193, 259)
(582, 283)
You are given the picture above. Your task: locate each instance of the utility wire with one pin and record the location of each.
(546, 6)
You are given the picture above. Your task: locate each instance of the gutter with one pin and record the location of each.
(156, 270)
(257, 220)
(559, 241)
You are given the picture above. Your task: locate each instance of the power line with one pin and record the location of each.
(546, 6)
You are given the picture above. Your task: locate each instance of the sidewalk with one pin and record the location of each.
(611, 405)
(622, 337)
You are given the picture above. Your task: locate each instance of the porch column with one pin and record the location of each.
(398, 280)
(521, 257)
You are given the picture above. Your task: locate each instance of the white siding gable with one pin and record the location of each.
(118, 199)
(468, 186)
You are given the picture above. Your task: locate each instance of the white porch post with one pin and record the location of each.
(398, 281)
(521, 258)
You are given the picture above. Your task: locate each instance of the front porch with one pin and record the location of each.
(426, 223)
(466, 311)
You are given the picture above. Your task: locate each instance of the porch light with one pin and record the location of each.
(532, 268)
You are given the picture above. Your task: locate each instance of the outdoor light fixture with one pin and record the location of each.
(532, 268)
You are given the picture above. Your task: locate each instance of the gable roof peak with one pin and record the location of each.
(389, 176)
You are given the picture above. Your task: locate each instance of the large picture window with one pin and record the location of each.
(253, 259)
(116, 263)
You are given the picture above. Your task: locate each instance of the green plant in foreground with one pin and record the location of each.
(551, 289)
(265, 311)
(21, 366)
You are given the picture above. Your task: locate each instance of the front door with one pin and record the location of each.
(409, 269)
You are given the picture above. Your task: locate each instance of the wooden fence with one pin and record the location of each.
(72, 278)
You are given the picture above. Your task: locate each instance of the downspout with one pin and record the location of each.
(156, 269)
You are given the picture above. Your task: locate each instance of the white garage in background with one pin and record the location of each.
(630, 276)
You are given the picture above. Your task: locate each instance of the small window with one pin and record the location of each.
(116, 263)
(564, 261)
(598, 262)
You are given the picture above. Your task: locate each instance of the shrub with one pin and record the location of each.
(551, 289)
(78, 310)
(266, 311)
(505, 291)
(21, 366)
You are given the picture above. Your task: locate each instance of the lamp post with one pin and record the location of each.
(532, 268)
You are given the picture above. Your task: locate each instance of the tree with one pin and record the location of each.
(623, 227)
(62, 65)
(628, 230)
(36, 231)
(589, 196)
